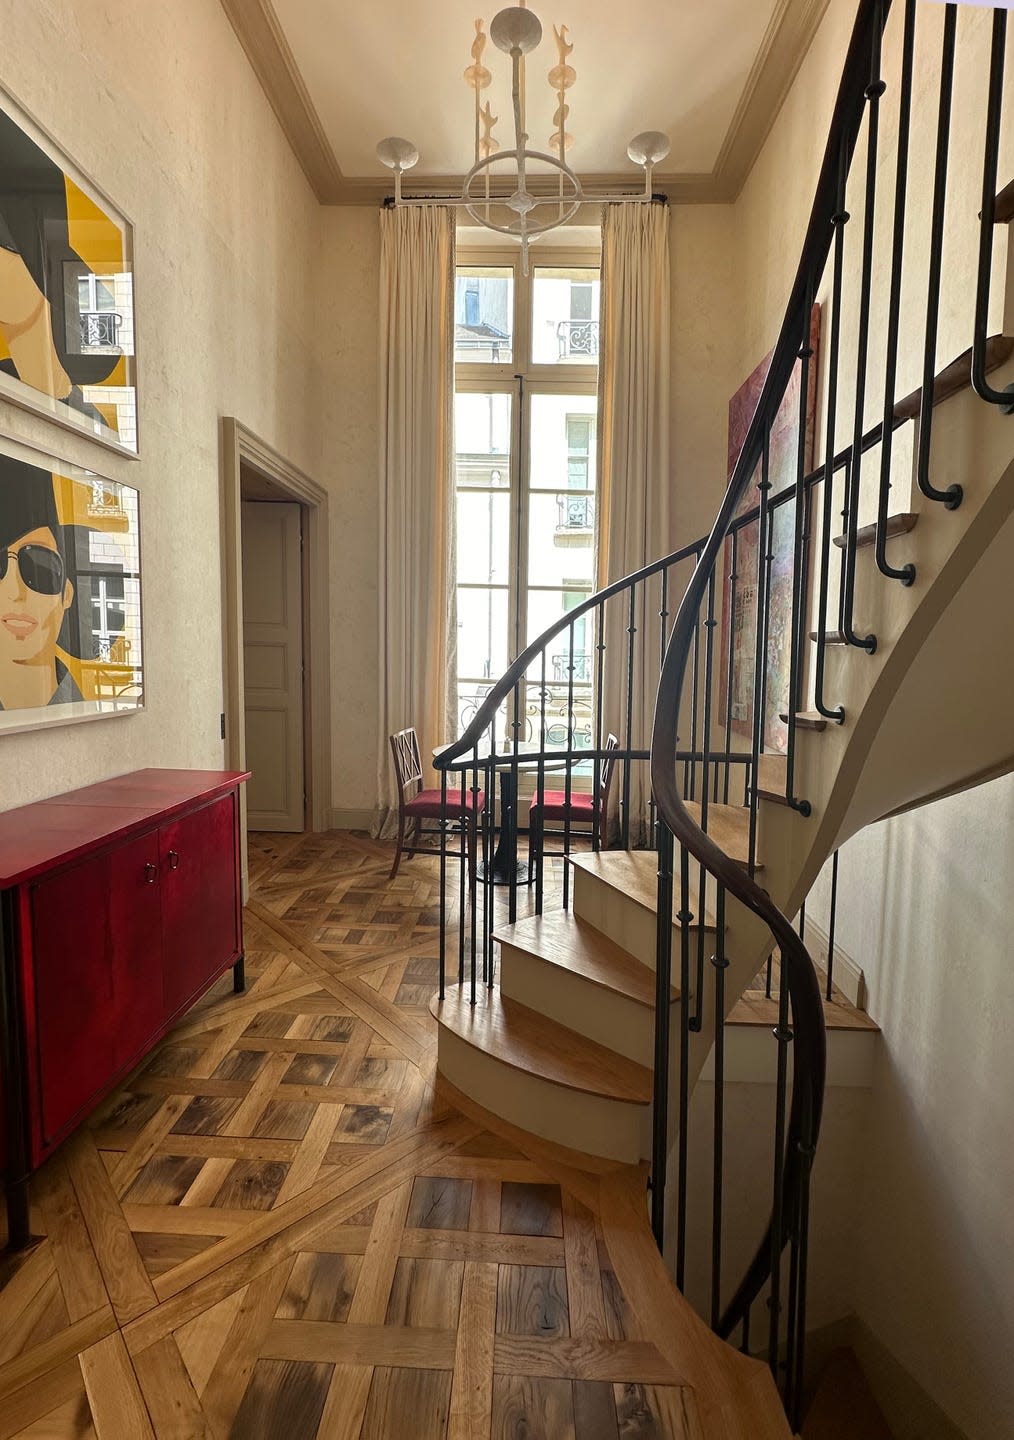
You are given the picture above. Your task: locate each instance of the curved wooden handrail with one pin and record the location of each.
(809, 1068)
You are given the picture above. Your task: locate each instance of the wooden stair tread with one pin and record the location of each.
(807, 720)
(771, 774)
(560, 938)
(729, 827)
(754, 1007)
(956, 376)
(899, 524)
(526, 1040)
(634, 873)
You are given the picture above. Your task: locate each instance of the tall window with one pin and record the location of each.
(526, 352)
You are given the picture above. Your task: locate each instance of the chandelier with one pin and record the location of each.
(547, 192)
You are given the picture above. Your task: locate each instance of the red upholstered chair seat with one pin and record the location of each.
(428, 804)
(554, 805)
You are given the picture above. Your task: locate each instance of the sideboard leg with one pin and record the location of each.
(239, 976)
(19, 1234)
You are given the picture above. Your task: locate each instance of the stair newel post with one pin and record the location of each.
(443, 886)
(783, 1035)
(800, 547)
(953, 495)
(730, 675)
(473, 840)
(760, 644)
(511, 819)
(721, 964)
(987, 219)
(600, 657)
(489, 796)
(536, 842)
(568, 773)
(462, 869)
(684, 917)
(631, 641)
(904, 573)
(663, 985)
(874, 90)
(830, 924)
(839, 220)
(791, 1380)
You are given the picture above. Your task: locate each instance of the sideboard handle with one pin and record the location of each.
(150, 872)
(174, 859)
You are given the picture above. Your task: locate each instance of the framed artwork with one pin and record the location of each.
(70, 593)
(782, 458)
(66, 290)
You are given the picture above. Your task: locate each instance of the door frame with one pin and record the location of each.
(240, 446)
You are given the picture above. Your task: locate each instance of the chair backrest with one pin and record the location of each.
(407, 761)
(605, 784)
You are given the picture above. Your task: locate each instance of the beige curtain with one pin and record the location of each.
(417, 611)
(634, 466)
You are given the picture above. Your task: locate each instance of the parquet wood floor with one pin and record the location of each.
(279, 1229)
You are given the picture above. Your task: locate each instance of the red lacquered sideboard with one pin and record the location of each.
(120, 904)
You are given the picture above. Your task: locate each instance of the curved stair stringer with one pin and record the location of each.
(734, 1396)
(855, 773)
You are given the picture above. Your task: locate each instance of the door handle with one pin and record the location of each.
(150, 873)
(174, 859)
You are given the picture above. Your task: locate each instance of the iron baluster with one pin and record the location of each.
(953, 495)
(729, 638)
(764, 523)
(537, 842)
(799, 539)
(906, 573)
(783, 1034)
(472, 847)
(987, 219)
(721, 964)
(839, 220)
(443, 885)
(874, 90)
(663, 985)
(569, 767)
(462, 857)
(632, 633)
(684, 917)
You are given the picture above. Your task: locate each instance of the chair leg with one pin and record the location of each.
(414, 835)
(401, 842)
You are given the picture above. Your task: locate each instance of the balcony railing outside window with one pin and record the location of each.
(576, 512)
(578, 339)
(99, 328)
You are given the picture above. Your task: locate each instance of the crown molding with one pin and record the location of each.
(786, 41)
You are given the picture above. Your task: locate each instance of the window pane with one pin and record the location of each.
(482, 634)
(565, 316)
(563, 442)
(561, 539)
(483, 538)
(482, 439)
(483, 314)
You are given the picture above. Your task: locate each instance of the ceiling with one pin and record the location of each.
(342, 75)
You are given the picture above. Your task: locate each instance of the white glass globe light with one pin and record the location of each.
(397, 154)
(649, 147)
(515, 28)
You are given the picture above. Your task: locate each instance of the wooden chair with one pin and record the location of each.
(416, 804)
(581, 811)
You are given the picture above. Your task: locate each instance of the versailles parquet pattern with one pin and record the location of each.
(278, 1229)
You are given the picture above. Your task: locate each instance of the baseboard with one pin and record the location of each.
(910, 1411)
(848, 976)
(342, 819)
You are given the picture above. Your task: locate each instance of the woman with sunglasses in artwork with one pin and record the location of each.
(35, 593)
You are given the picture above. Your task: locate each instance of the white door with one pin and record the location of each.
(273, 665)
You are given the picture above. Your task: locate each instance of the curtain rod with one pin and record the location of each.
(388, 202)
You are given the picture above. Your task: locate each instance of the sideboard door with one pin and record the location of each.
(97, 968)
(199, 899)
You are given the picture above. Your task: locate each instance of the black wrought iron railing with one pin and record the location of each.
(733, 632)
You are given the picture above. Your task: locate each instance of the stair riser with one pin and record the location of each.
(622, 919)
(611, 1129)
(572, 1000)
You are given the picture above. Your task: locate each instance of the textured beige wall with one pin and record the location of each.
(157, 103)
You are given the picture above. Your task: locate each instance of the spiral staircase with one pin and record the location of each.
(587, 1027)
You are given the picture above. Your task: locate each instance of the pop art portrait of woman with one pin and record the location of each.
(66, 292)
(70, 616)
